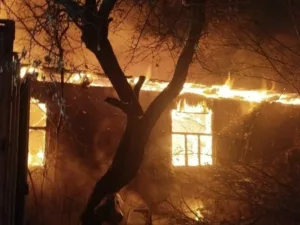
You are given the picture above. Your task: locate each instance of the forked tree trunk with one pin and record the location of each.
(130, 152)
(123, 169)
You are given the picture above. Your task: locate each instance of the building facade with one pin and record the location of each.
(70, 147)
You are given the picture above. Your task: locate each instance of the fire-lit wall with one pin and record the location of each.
(245, 131)
(80, 146)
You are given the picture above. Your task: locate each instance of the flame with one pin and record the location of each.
(224, 91)
(191, 135)
(77, 78)
(198, 214)
(148, 73)
(182, 106)
(37, 159)
(27, 70)
(196, 119)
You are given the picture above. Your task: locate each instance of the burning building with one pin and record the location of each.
(72, 139)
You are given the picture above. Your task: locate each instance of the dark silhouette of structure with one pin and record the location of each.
(14, 117)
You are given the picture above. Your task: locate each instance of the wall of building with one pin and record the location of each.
(254, 131)
(80, 153)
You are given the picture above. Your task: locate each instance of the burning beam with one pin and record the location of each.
(214, 92)
(226, 92)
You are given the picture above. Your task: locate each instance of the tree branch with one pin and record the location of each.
(112, 181)
(138, 86)
(74, 10)
(175, 86)
(117, 103)
(111, 67)
(106, 8)
(94, 34)
(91, 4)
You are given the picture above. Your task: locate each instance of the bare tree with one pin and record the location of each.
(92, 19)
(242, 193)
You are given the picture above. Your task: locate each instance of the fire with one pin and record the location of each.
(182, 106)
(36, 160)
(37, 133)
(198, 215)
(77, 78)
(226, 92)
(215, 91)
(27, 70)
(191, 125)
(191, 135)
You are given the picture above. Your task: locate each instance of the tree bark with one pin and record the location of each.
(130, 152)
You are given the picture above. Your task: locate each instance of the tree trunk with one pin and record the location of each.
(130, 152)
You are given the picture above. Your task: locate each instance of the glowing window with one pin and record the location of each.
(191, 135)
(37, 133)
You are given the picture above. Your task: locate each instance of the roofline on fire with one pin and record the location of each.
(77, 71)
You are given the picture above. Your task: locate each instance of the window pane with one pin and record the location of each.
(183, 122)
(190, 121)
(206, 150)
(204, 122)
(192, 149)
(178, 150)
(38, 114)
(36, 148)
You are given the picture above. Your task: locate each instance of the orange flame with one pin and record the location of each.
(182, 106)
(191, 135)
(215, 91)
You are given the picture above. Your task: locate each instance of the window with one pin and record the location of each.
(37, 133)
(191, 135)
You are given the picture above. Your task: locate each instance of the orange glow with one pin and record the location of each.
(27, 70)
(198, 215)
(182, 106)
(37, 133)
(215, 91)
(191, 125)
(36, 159)
(78, 78)
(191, 135)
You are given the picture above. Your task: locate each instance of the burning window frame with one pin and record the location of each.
(183, 111)
(36, 158)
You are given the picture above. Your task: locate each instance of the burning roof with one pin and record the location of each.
(224, 91)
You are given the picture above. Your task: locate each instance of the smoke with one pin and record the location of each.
(235, 32)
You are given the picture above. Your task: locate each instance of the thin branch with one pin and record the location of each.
(185, 59)
(91, 4)
(106, 8)
(117, 103)
(138, 86)
(74, 10)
